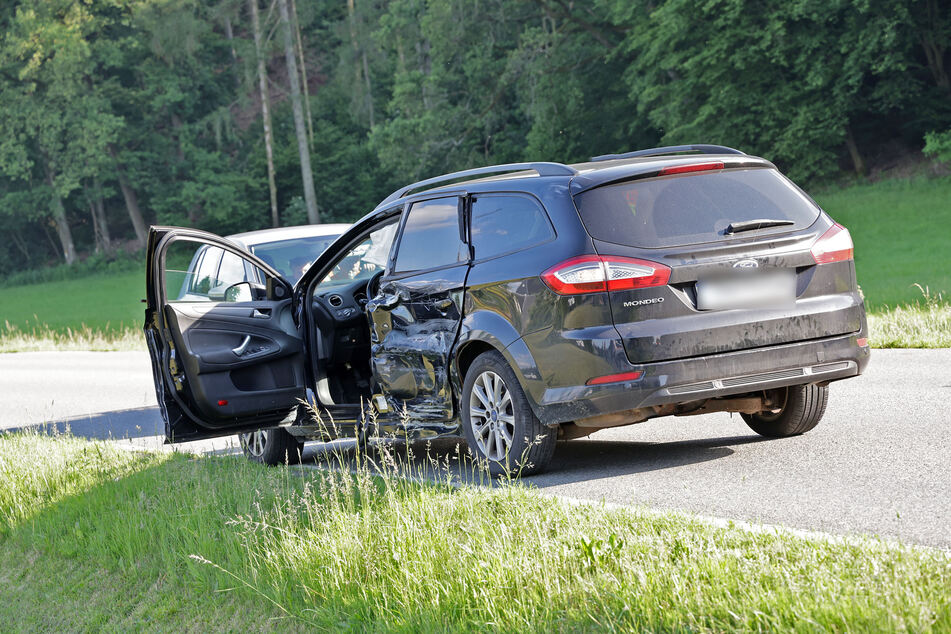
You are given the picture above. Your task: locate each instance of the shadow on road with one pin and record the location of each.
(575, 461)
(119, 424)
(583, 460)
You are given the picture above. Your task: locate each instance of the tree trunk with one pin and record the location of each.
(934, 49)
(131, 201)
(360, 52)
(857, 161)
(99, 223)
(59, 217)
(229, 35)
(265, 112)
(303, 74)
(366, 76)
(20, 245)
(307, 175)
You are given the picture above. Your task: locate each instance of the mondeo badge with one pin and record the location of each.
(746, 264)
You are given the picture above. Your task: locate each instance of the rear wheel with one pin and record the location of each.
(499, 423)
(272, 446)
(802, 409)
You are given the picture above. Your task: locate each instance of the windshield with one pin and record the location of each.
(362, 261)
(292, 257)
(693, 208)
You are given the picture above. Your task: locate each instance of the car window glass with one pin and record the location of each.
(505, 223)
(202, 278)
(292, 257)
(198, 272)
(363, 260)
(431, 236)
(693, 208)
(231, 270)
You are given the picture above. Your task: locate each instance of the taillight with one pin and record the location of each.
(596, 274)
(835, 245)
(696, 167)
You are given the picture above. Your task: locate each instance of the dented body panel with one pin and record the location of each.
(413, 342)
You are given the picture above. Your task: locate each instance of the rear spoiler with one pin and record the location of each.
(648, 169)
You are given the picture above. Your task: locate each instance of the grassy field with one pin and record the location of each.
(107, 303)
(96, 538)
(901, 230)
(902, 235)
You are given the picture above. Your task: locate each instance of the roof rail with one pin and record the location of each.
(670, 149)
(542, 168)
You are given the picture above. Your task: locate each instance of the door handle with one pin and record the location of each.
(244, 346)
(259, 314)
(442, 305)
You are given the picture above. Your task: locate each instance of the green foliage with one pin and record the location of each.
(156, 101)
(95, 264)
(938, 145)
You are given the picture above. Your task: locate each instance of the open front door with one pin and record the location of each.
(226, 353)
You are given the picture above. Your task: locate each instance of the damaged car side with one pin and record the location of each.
(519, 304)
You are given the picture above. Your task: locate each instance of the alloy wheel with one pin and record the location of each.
(492, 416)
(255, 442)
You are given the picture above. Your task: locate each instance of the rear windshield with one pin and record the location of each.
(693, 208)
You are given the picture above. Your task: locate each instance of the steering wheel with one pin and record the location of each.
(373, 286)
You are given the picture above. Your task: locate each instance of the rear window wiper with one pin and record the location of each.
(759, 223)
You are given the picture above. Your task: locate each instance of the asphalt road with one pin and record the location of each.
(879, 463)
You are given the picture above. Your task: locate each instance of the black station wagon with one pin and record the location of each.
(520, 304)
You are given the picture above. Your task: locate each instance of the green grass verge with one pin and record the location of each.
(93, 537)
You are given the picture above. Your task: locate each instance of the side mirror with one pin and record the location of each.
(275, 290)
(245, 292)
(240, 292)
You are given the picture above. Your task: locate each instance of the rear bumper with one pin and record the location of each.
(723, 374)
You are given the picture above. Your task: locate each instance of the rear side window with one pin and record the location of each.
(502, 223)
(692, 208)
(431, 236)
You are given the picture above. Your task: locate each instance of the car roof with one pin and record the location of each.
(264, 236)
(534, 177)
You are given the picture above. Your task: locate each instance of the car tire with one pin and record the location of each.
(513, 441)
(272, 446)
(803, 407)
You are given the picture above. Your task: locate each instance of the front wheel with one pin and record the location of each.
(272, 446)
(802, 409)
(499, 423)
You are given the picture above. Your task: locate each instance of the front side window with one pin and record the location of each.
(502, 223)
(200, 272)
(363, 260)
(431, 236)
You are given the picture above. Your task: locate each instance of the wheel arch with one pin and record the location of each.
(486, 331)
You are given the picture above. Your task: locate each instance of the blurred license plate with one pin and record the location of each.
(766, 289)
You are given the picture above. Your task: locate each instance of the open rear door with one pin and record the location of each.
(227, 355)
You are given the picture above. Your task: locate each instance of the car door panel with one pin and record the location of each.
(416, 320)
(220, 367)
(414, 340)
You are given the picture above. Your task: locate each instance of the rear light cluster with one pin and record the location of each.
(596, 274)
(835, 245)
